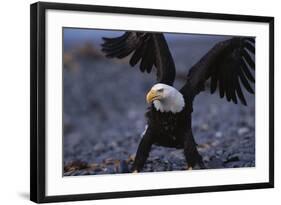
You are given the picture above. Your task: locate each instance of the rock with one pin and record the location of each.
(215, 163)
(219, 152)
(109, 170)
(113, 145)
(75, 165)
(68, 173)
(247, 157)
(123, 167)
(131, 158)
(206, 159)
(236, 164)
(84, 172)
(204, 127)
(203, 146)
(232, 159)
(215, 143)
(218, 134)
(242, 131)
(77, 173)
(159, 168)
(98, 147)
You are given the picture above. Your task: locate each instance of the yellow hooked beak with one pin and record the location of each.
(152, 95)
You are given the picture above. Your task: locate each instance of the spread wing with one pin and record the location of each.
(229, 65)
(150, 49)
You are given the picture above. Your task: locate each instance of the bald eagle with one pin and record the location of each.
(227, 65)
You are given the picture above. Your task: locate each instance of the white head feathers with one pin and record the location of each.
(166, 98)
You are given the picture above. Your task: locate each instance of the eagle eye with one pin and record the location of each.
(160, 90)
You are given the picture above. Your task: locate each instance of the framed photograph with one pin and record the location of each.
(129, 102)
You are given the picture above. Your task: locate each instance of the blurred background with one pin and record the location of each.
(104, 106)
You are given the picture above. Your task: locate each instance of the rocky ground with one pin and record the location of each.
(104, 105)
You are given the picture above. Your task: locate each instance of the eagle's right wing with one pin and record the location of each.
(150, 49)
(229, 65)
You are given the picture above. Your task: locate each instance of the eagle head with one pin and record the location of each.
(165, 98)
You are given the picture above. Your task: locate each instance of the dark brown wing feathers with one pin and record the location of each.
(229, 65)
(150, 49)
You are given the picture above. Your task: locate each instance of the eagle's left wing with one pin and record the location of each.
(228, 65)
(150, 49)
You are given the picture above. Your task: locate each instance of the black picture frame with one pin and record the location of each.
(38, 101)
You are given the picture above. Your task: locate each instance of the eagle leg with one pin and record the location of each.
(191, 153)
(142, 152)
